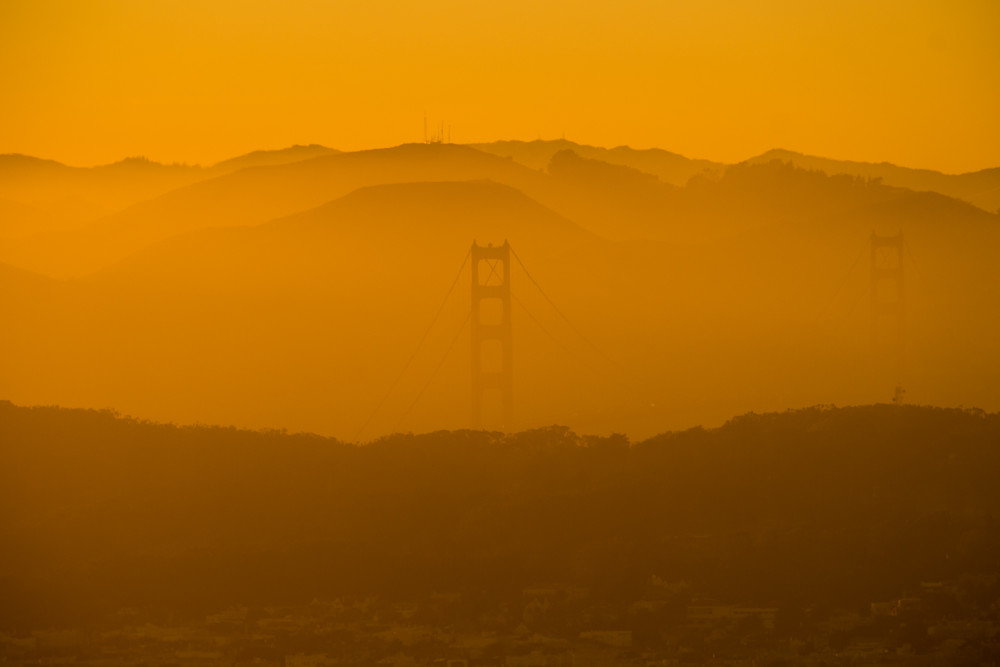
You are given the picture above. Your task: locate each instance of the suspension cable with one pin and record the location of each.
(565, 348)
(447, 353)
(556, 308)
(420, 344)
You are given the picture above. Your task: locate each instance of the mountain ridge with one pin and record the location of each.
(980, 188)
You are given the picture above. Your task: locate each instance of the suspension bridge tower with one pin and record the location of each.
(887, 304)
(492, 342)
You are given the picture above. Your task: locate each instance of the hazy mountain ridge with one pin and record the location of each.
(626, 204)
(331, 261)
(778, 191)
(18, 219)
(263, 158)
(617, 201)
(980, 188)
(255, 195)
(57, 197)
(668, 167)
(281, 293)
(15, 166)
(32, 180)
(610, 200)
(16, 282)
(463, 201)
(319, 294)
(303, 177)
(425, 224)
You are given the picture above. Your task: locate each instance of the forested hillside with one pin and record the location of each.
(832, 506)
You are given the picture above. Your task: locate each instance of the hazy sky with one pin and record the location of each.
(909, 81)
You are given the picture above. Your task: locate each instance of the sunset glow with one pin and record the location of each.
(499, 333)
(913, 82)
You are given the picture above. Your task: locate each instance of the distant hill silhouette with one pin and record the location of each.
(424, 227)
(272, 157)
(255, 195)
(28, 179)
(18, 219)
(15, 166)
(351, 283)
(835, 507)
(668, 167)
(778, 191)
(614, 201)
(26, 286)
(113, 186)
(45, 196)
(740, 290)
(981, 188)
(440, 217)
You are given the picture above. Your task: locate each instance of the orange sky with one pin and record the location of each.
(913, 82)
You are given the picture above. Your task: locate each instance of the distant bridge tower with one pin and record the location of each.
(888, 314)
(491, 328)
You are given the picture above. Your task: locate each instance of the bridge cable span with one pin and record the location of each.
(447, 353)
(423, 339)
(561, 314)
(561, 345)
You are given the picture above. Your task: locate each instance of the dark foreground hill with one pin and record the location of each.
(828, 506)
